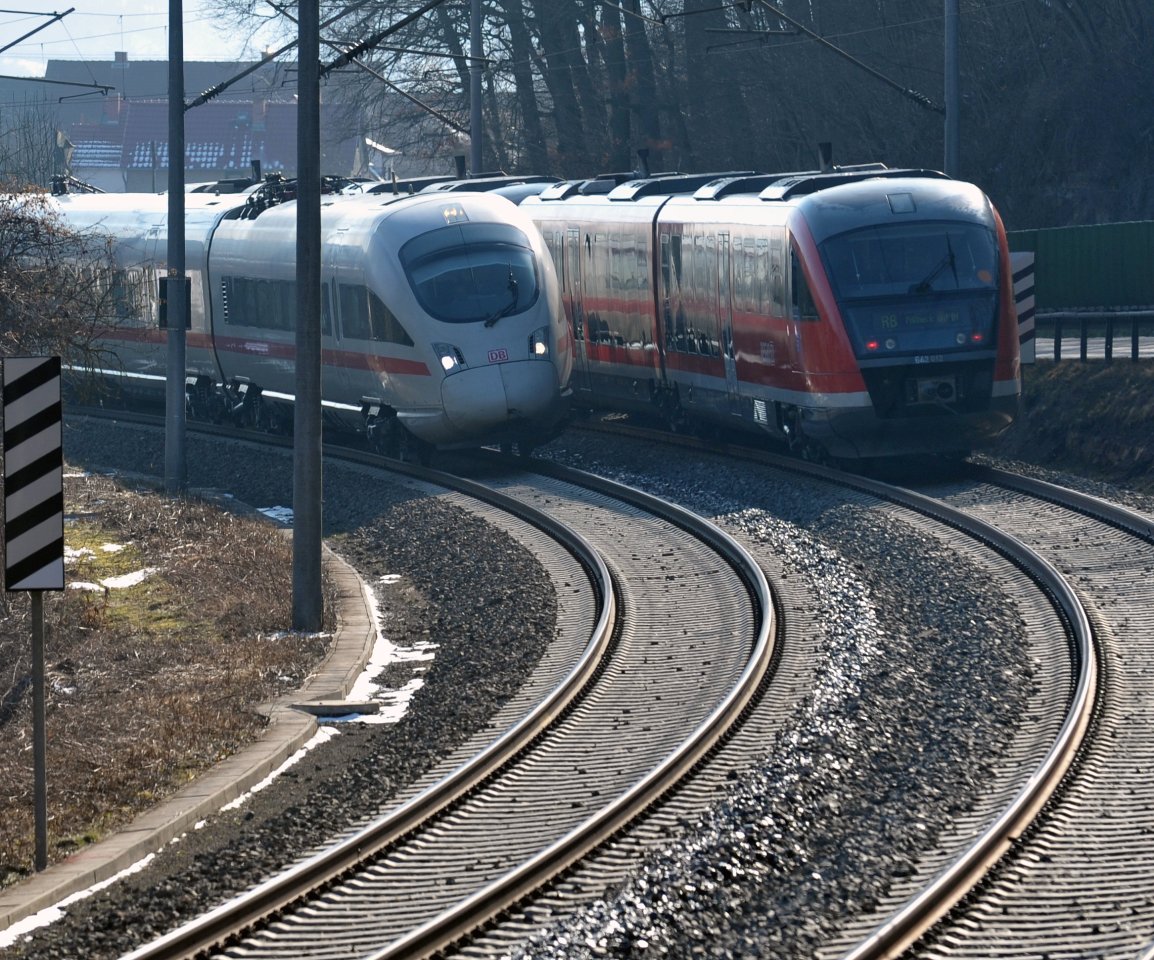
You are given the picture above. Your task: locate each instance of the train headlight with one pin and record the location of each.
(539, 344)
(451, 358)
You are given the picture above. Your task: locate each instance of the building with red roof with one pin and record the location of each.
(111, 121)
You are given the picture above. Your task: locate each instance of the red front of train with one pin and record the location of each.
(906, 331)
(853, 314)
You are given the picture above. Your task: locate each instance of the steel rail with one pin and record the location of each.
(922, 911)
(451, 926)
(906, 925)
(216, 926)
(1112, 513)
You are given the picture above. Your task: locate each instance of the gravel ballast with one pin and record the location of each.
(452, 566)
(893, 740)
(923, 674)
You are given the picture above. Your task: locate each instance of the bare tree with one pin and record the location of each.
(59, 289)
(1056, 122)
(29, 144)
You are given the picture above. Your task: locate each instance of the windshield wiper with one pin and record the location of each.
(927, 284)
(510, 306)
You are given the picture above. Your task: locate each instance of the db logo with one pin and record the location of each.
(498, 356)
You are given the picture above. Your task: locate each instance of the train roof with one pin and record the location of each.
(716, 186)
(861, 203)
(362, 213)
(128, 214)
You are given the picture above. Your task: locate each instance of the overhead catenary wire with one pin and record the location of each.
(919, 98)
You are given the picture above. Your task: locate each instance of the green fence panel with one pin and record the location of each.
(1104, 266)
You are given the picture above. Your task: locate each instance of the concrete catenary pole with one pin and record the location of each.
(175, 462)
(952, 96)
(475, 86)
(308, 606)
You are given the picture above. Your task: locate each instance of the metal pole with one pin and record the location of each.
(307, 487)
(175, 465)
(475, 86)
(39, 731)
(952, 98)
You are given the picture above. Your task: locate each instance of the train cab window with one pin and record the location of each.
(914, 258)
(916, 287)
(803, 306)
(470, 272)
(364, 316)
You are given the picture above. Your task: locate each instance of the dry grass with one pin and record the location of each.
(146, 685)
(1088, 418)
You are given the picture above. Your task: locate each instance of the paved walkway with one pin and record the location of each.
(288, 730)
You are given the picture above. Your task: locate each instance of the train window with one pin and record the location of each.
(326, 310)
(354, 302)
(267, 304)
(555, 250)
(364, 316)
(614, 252)
(277, 305)
(803, 306)
(129, 297)
(918, 257)
(916, 287)
(471, 272)
(573, 283)
(777, 276)
(761, 278)
(386, 327)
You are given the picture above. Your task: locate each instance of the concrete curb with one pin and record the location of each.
(288, 730)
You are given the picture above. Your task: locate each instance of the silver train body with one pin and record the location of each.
(442, 321)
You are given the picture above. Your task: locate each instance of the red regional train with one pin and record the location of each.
(854, 313)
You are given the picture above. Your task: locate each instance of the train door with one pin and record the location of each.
(725, 315)
(339, 264)
(576, 289)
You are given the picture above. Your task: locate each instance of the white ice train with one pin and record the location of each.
(441, 324)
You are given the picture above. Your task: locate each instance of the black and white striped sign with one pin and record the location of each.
(33, 475)
(1023, 266)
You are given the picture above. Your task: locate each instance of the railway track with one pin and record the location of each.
(1063, 867)
(1078, 882)
(992, 884)
(645, 702)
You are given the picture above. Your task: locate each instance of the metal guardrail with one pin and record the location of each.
(1095, 335)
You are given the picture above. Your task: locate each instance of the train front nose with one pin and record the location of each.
(487, 400)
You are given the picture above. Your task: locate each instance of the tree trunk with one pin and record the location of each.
(533, 141)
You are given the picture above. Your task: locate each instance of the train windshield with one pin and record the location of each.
(470, 272)
(916, 287)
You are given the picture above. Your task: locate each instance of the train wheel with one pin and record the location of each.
(383, 434)
(675, 417)
(413, 449)
(816, 453)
